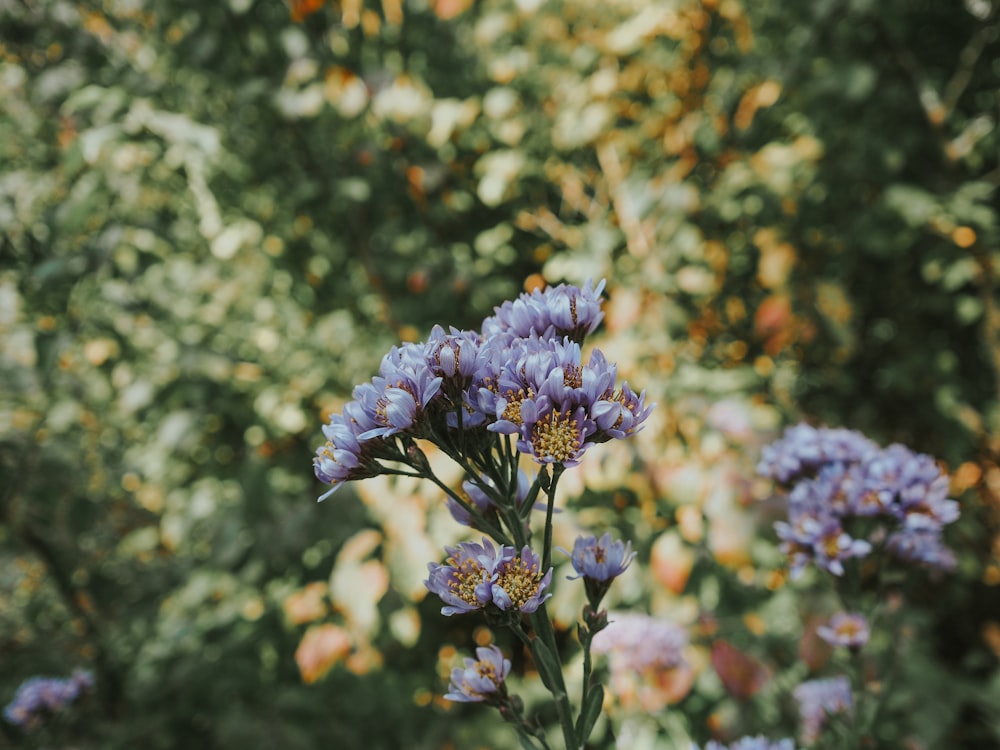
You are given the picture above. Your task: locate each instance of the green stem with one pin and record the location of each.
(557, 471)
(588, 668)
(493, 530)
(544, 632)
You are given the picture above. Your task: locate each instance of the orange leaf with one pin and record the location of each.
(302, 8)
(320, 649)
(741, 674)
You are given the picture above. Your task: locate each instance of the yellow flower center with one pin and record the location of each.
(512, 412)
(848, 629)
(519, 580)
(486, 669)
(831, 544)
(468, 574)
(327, 450)
(555, 436)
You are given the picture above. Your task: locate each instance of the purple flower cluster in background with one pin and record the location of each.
(523, 375)
(751, 743)
(820, 699)
(838, 479)
(803, 449)
(39, 697)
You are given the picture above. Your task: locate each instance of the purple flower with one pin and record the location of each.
(520, 584)
(553, 313)
(394, 404)
(39, 697)
(840, 476)
(475, 575)
(600, 559)
(620, 415)
(921, 545)
(462, 361)
(465, 580)
(481, 679)
(598, 562)
(814, 533)
(751, 743)
(803, 448)
(819, 699)
(342, 457)
(845, 629)
(551, 435)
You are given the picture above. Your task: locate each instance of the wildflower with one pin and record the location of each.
(341, 458)
(621, 414)
(481, 679)
(465, 581)
(814, 533)
(393, 405)
(924, 546)
(845, 629)
(819, 699)
(462, 361)
(804, 448)
(553, 313)
(601, 559)
(598, 562)
(751, 743)
(840, 476)
(520, 584)
(554, 435)
(543, 372)
(39, 697)
(475, 575)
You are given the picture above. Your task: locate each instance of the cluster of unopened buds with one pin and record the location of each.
(518, 388)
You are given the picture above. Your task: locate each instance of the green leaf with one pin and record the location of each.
(549, 668)
(590, 711)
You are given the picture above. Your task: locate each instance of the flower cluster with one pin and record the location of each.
(39, 697)
(819, 699)
(477, 575)
(519, 387)
(522, 375)
(803, 449)
(751, 743)
(848, 496)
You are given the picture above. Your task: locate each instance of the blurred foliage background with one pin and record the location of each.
(216, 218)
